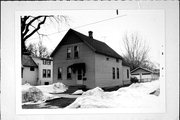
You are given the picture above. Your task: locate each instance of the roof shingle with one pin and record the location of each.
(95, 45)
(27, 61)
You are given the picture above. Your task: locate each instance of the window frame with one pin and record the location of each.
(59, 73)
(113, 73)
(44, 73)
(117, 72)
(69, 53)
(32, 69)
(76, 51)
(48, 73)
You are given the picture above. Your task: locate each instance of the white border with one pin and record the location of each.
(8, 87)
(19, 109)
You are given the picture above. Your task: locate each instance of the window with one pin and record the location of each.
(113, 73)
(117, 60)
(44, 62)
(127, 73)
(117, 73)
(44, 73)
(107, 58)
(69, 73)
(68, 52)
(31, 68)
(48, 73)
(22, 72)
(76, 51)
(59, 73)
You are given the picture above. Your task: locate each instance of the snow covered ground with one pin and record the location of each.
(39, 94)
(136, 95)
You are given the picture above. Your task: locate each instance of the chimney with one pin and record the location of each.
(90, 34)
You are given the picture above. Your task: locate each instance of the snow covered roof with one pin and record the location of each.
(27, 61)
(147, 70)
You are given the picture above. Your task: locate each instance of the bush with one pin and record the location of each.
(33, 94)
(134, 80)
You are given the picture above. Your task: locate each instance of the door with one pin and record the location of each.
(79, 77)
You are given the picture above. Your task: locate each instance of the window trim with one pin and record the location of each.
(117, 72)
(113, 73)
(59, 73)
(68, 56)
(76, 51)
(44, 73)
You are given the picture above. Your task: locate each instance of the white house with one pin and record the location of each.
(45, 70)
(29, 70)
(144, 75)
(81, 60)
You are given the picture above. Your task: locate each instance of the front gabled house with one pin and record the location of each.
(81, 60)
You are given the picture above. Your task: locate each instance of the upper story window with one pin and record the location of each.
(107, 58)
(59, 73)
(76, 52)
(69, 52)
(46, 62)
(113, 73)
(117, 60)
(31, 68)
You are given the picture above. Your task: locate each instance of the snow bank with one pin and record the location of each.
(136, 95)
(54, 88)
(39, 94)
(77, 92)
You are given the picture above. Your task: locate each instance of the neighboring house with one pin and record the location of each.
(81, 60)
(144, 75)
(44, 70)
(29, 70)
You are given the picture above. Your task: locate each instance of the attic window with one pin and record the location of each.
(117, 60)
(69, 52)
(107, 58)
(76, 51)
(31, 68)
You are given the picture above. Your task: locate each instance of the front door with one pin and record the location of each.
(79, 77)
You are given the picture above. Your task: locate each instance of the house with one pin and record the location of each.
(44, 70)
(29, 70)
(81, 60)
(144, 75)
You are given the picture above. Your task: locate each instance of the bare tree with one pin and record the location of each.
(32, 24)
(38, 50)
(136, 51)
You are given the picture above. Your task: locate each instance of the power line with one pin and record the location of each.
(89, 24)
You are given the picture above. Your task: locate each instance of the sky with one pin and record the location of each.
(110, 28)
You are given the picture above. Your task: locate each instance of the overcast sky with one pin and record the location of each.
(110, 28)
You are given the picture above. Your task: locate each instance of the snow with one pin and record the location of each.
(136, 95)
(39, 94)
(77, 92)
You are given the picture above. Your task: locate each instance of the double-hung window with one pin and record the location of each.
(76, 51)
(117, 73)
(113, 73)
(68, 53)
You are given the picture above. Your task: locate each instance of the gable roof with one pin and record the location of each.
(27, 61)
(147, 70)
(95, 45)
